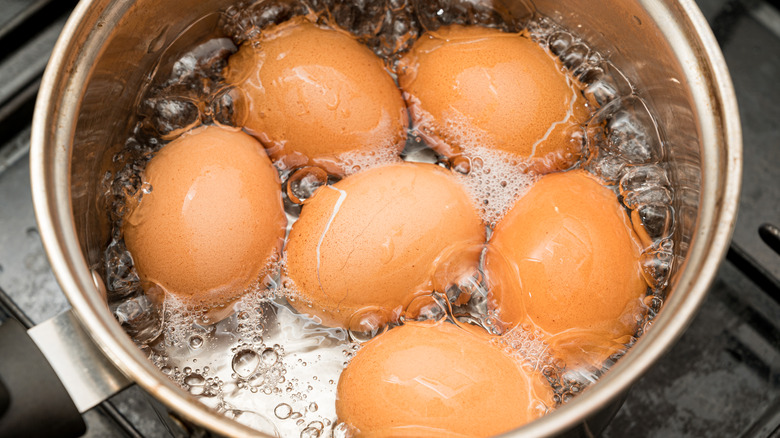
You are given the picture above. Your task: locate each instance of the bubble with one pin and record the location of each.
(228, 108)
(269, 357)
(244, 22)
(653, 302)
(647, 196)
(122, 281)
(313, 408)
(604, 83)
(559, 41)
(173, 116)
(524, 344)
(625, 127)
(458, 275)
(302, 184)
(310, 432)
(360, 160)
(656, 220)
(426, 308)
(195, 383)
(368, 323)
(283, 411)
(196, 342)
(245, 363)
(461, 164)
(140, 318)
(642, 177)
(254, 420)
(657, 263)
(386, 27)
(313, 429)
(610, 168)
(575, 55)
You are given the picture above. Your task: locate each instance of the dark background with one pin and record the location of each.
(721, 379)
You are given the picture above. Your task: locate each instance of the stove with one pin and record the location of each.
(722, 378)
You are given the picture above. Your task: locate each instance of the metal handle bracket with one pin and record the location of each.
(88, 376)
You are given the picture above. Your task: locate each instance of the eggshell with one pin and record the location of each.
(313, 94)
(566, 258)
(436, 379)
(372, 242)
(469, 86)
(213, 220)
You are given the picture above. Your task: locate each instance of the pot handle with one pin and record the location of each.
(51, 373)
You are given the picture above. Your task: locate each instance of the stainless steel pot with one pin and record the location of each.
(108, 47)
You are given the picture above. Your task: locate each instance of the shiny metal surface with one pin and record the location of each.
(88, 376)
(108, 46)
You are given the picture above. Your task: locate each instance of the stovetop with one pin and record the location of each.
(722, 378)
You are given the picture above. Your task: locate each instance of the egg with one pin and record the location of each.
(366, 246)
(436, 379)
(566, 258)
(212, 221)
(315, 96)
(469, 86)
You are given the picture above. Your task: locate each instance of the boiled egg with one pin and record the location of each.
(437, 379)
(469, 87)
(565, 259)
(366, 246)
(212, 221)
(315, 96)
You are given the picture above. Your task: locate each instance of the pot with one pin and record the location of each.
(108, 47)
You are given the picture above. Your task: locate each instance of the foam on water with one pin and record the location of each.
(494, 179)
(357, 161)
(265, 365)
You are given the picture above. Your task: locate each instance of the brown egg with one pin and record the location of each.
(436, 379)
(367, 245)
(312, 95)
(469, 86)
(566, 258)
(213, 220)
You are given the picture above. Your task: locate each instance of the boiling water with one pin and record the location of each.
(256, 360)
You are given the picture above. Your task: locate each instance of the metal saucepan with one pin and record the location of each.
(108, 48)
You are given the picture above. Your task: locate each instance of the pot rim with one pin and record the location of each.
(52, 134)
